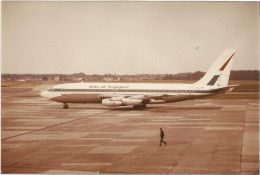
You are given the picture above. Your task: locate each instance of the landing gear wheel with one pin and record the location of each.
(135, 107)
(139, 106)
(65, 106)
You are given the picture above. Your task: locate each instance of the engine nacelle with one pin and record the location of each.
(108, 102)
(116, 98)
(129, 101)
(152, 101)
(137, 97)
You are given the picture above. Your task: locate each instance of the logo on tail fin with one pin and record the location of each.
(213, 80)
(223, 67)
(218, 74)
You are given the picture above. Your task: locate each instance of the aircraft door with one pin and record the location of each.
(63, 91)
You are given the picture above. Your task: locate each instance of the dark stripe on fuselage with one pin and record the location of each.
(136, 90)
(213, 80)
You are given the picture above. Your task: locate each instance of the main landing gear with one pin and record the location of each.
(139, 106)
(65, 106)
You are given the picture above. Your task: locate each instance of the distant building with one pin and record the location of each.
(108, 79)
(7, 79)
(80, 79)
(56, 78)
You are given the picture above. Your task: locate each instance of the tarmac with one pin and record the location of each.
(204, 136)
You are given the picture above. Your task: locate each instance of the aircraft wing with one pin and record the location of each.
(118, 100)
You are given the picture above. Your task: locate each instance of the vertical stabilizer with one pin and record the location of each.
(219, 72)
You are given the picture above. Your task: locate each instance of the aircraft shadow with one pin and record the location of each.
(152, 108)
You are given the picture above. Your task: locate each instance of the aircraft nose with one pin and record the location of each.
(45, 94)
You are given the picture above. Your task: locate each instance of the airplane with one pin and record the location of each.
(138, 95)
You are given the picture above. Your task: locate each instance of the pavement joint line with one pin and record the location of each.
(35, 154)
(47, 169)
(188, 148)
(54, 146)
(242, 142)
(25, 167)
(66, 169)
(53, 126)
(176, 165)
(102, 171)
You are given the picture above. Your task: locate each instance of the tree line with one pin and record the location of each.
(234, 75)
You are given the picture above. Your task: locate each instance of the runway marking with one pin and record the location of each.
(96, 138)
(206, 104)
(186, 127)
(68, 172)
(140, 133)
(96, 117)
(84, 164)
(28, 132)
(14, 145)
(129, 114)
(43, 120)
(89, 111)
(199, 115)
(21, 127)
(81, 145)
(68, 135)
(160, 120)
(107, 132)
(112, 120)
(184, 123)
(195, 119)
(231, 109)
(167, 117)
(46, 133)
(112, 149)
(171, 123)
(31, 136)
(234, 107)
(8, 134)
(40, 117)
(129, 140)
(224, 128)
(249, 167)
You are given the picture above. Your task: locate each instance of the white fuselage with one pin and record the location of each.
(215, 81)
(155, 92)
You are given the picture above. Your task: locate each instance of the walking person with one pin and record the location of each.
(162, 136)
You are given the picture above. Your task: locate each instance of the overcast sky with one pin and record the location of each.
(127, 37)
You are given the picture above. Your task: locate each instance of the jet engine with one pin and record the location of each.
(129, 101)
(111, 103)
(118, 101)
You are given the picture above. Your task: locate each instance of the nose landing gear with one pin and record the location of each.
(65, 106)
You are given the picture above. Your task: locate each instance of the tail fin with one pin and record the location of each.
(218, 74)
